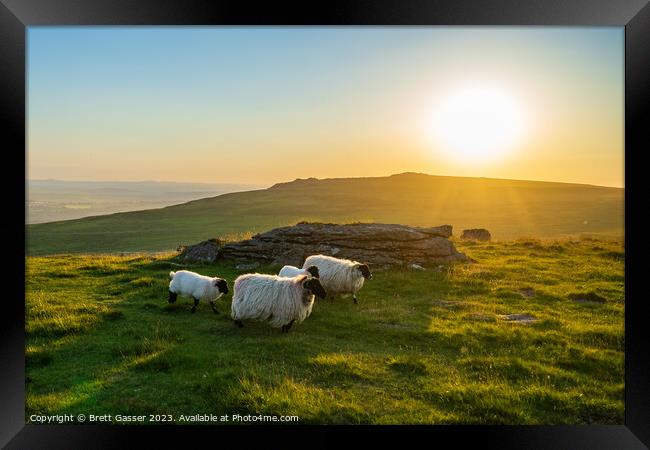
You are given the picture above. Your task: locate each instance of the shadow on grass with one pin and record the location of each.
(142, 355)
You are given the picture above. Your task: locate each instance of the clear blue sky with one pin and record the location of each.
(261, 105)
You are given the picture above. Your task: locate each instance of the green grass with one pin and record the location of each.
(420, 347)
(509, 209)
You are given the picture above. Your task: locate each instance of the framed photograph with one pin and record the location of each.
(360, 217)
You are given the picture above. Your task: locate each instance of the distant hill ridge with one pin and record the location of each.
(508, 208)
(416, 177)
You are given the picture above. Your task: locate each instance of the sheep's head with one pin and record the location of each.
(313, 287)
(313, 270)
(365, 271)
(221, 285)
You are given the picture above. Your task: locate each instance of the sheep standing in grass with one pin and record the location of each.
(291, 271)
(279, 300)
(199, 287)
(340, 276)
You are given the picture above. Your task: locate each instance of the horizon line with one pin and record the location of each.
(270, 184)
(142, 181)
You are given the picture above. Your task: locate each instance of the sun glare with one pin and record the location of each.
(477, 124)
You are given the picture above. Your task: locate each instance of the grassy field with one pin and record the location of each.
(420, 347)
(509, 209)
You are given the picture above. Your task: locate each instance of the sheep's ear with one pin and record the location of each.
(302, 278)
(313, 270)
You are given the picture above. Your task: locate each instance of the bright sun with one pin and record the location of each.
(477, 124)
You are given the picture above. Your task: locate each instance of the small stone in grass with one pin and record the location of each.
(519, 318)
(449, 304)
(589, 297)
(527, 292)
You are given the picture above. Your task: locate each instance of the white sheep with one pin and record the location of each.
(340, 276)
(199, 287)
(291, 271)
(279, 300)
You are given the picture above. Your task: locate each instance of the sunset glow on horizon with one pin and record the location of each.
(271, 104)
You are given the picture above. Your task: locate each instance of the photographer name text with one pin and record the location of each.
(158, 418)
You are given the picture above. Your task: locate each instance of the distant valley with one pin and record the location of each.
(55, 200)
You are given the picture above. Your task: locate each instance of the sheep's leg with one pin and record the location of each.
(172, 296)
(239, 323)
(354, 297)
(196, 303)
(288, 326)
(214, 308)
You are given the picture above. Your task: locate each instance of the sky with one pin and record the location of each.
(270, 104)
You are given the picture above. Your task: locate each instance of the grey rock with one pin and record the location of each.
(372, 243)
(519, 318)
(416, 267)
(476, 234)
(247, 266)
(447, 304)
(527, 292)
(587, 297)
(206, 251)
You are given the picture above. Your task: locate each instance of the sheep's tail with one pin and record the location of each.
(171, 274)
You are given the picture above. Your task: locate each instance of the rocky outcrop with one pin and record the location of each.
(206, 251)
(371, 243)
(476, 234)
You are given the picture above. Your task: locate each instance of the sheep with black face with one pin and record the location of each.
(340, 276)
(199, 287)
(280, 301)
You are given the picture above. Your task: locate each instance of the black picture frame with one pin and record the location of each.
(16, 15)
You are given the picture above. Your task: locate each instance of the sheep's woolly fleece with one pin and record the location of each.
(291, 271)
(338, 276)
(192, 284)
(272, 298)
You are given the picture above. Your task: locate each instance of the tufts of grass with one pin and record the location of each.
(410, 366)
(587, 297)
(142, 282)
(37, 357)
(419, 348)
(113, 315)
